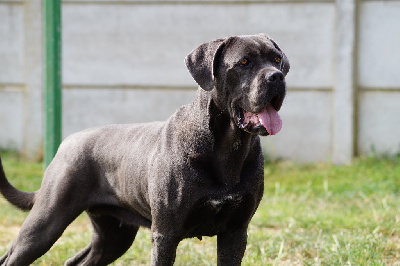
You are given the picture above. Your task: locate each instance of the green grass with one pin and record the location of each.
(315, 214)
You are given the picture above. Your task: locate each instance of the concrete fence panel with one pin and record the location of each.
(123, 63)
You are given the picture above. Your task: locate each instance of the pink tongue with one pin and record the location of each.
(271, 120)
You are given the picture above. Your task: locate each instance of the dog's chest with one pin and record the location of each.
(212, 215)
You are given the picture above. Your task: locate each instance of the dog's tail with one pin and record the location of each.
(20, 199)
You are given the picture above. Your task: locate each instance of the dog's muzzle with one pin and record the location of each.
(268, 118)
(267, 121)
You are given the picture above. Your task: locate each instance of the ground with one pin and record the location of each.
(314, 214)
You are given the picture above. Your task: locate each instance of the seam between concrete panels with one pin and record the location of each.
(193, 2)
(8, 2)
(379, 89)
(173, 87)
(127, 87)
(12, 87)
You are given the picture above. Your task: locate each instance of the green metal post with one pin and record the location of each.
(52, 91)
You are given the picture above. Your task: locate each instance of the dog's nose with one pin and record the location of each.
(276, 76)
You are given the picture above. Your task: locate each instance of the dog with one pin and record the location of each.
(200, 173)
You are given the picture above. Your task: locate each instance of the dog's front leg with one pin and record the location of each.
(163, 249)
(231, 247)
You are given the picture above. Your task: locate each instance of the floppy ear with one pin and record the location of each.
(203, 61)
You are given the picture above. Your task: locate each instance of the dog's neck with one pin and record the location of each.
(231, 144)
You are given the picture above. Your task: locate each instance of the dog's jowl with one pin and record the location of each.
(200, 173)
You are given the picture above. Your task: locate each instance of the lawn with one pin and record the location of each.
(314, 214)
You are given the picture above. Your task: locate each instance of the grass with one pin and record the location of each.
(315, 214)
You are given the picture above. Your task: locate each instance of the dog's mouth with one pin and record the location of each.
(265, 122)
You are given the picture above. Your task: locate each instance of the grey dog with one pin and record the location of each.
(200, 173)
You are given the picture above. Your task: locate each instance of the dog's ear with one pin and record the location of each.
(203, 61)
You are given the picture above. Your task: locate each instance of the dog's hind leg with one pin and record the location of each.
(38, 233)
(111, 239)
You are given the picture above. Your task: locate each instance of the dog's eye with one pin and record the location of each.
(244, 62)
(277, 59)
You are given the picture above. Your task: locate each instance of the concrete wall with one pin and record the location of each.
(379, 77)
(123, 63)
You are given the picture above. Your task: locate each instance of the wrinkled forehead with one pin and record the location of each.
(244, 46)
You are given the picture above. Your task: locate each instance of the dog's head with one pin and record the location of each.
(246, 75)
